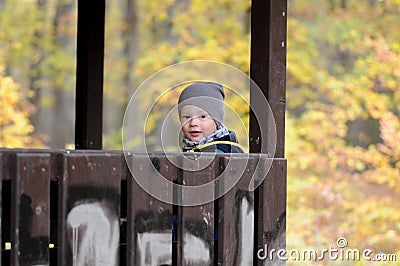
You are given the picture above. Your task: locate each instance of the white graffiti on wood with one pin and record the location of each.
(196, 250)
(156, 249)
(247, 232)
(93, 233)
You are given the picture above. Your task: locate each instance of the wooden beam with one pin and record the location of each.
(268, 71)
(89, 74)
(268, 67)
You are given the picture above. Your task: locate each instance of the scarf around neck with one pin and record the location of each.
(221, 131)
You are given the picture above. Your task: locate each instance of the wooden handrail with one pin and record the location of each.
(73, 207)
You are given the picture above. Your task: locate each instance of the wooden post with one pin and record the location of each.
(89, 74)
(268, 71)
(268, 67)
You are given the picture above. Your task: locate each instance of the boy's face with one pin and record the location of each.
(196, 122)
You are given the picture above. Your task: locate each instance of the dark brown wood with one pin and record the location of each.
(31, 210)
(8, 168)
(268, 68)
(217, 232)
(277, 91)
(149, 221)
(271, 231)
(89, 74)
(236, 214)
(1, 205)
(90, 208)
(197, 222)
(8, 163)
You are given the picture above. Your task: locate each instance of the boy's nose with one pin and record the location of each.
(193, 121)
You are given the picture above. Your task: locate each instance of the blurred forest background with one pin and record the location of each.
(343, 95)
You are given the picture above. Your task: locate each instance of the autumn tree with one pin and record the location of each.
(16, 130)
(343, 94)
(343, 119)
(38, 42)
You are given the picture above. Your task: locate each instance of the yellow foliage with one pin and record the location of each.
(343, 125)
(15, 128)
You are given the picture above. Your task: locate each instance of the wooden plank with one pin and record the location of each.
(89, 74)
(271, 233)
(268, 69)
(8, 160)
(55, 154)
(1, 205)
(90, 209)
(259, 66)
(30, 228)
(56, 175)
(236, 213)
(150, 221)
(277, 77)
(8, 168)
(197, 222)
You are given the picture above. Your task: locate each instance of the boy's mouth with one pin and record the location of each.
(194, 133)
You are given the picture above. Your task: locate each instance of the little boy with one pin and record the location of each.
(201, 112)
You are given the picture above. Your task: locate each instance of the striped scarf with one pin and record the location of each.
(221, 131)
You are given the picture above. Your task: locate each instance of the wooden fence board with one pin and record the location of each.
(8, 165)
(272, 214)
(150, 221)
(1, 206)
(236, 214)
(87, 185)
(90, 209)
(197, 222)
(30, 229)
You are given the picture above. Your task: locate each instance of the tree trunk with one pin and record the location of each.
(62, 126)
(130, 42)
(35, 62)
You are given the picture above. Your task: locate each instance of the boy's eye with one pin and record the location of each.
(188, 117)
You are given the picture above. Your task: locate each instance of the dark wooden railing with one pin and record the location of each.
(84, 208)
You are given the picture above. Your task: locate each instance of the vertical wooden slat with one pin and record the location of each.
(7, 170)
(90, 209)
(56, 175)
(236, 214)
(31, 210)
(272, 215)
(1, 205)
(150, 221)
(197, 222)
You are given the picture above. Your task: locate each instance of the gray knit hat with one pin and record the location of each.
(207, 95)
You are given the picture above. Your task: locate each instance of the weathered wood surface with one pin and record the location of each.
(271, 224)
(150, 221)
(268, 71)
(197, 225)
(236, 215)
(90, 209)
(84, 208)
(30, 212)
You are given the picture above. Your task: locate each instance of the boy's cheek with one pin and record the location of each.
(185, 132)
